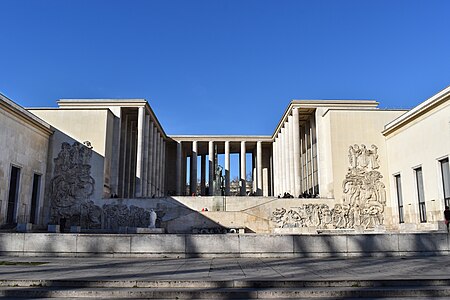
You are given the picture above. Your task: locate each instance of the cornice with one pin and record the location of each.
(22, 114)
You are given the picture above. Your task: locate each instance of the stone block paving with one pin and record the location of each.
(224, 269)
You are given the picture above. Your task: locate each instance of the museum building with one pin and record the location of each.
(104, 164)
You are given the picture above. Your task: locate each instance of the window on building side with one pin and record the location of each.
(445, 171)
(399, 198)
(420, 195)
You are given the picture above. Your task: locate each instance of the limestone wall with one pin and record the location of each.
(422, 143)
(74, 125)
(25, 146)
(363, 129)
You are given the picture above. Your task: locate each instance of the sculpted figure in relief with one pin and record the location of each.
(363, 202)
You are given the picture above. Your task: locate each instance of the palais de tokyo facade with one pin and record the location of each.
(105, 164)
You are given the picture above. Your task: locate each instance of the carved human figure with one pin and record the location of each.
(352, 157)
(153, 216)
(374, 157)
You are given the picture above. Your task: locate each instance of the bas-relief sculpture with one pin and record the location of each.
(72, 184)
(71, 188)
(363, 201)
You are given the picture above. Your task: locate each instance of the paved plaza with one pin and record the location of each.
(225, 278)
(219, 269)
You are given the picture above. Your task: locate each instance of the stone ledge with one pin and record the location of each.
(223, 245)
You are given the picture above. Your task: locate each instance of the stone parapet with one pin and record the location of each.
(223, 245)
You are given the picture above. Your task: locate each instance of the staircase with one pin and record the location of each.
(186, 289)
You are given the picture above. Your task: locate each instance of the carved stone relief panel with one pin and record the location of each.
(363, 201)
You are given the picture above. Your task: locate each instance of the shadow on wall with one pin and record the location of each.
(75, 176)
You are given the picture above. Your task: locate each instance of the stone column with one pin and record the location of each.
(227, 168)
(282, 164)
(179, 168)
(155, 159)
(291, 156)
(123, 184)
(254, 187)
(203, 175)
(243, 190)
(286, 157)
(311, 137)
(140, 152)
(259, 168)
(193, 184)
(150, 158)
(211, 167)
(163, 174)
(145, 162)
(276, 166)
(296, 160)
(160, 165)
(306, 161)
(302, 156)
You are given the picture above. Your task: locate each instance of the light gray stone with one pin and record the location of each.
(11, 242)
(423, 242)
(103, 243)
(266, 243)
(372, 243)
(212, 243)
(320, 244)
(155, 243)
(50, 243)
(146, 230)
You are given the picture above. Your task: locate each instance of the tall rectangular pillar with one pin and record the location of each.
(193, 177)
(140, 152)
(296, 160)
(243, 190)
(227, 168)
(155, 160)
(211, 167)
(145, 162)
(163, 173)
(179, 169)
(203, 175)
(259, 176)
(291, 155)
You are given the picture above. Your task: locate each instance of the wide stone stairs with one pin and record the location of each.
(230, 289)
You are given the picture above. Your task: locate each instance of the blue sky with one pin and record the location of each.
(224, 67)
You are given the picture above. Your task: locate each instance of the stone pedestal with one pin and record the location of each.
(24, 227)
(75, 229)
(296, 230)
(53, 228)
(141, 230)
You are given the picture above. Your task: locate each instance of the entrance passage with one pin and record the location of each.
(13, 194)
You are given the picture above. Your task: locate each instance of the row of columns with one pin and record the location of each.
(294, 157)
(194, 171)
(150, 158)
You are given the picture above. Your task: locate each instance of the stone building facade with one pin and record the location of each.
(329, 164)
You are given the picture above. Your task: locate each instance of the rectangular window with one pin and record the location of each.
(13, 195)
(398, 184)
(445, 171)
(35, 198)
(420, 195)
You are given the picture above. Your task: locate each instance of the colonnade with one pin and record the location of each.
(143, 156)
(194, 156)
(295, 156)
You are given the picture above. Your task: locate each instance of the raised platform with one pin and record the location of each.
(223, 245)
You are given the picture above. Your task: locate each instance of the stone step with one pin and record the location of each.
(210, 284)
(225, 293)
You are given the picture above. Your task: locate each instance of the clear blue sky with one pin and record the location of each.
(224, 67)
